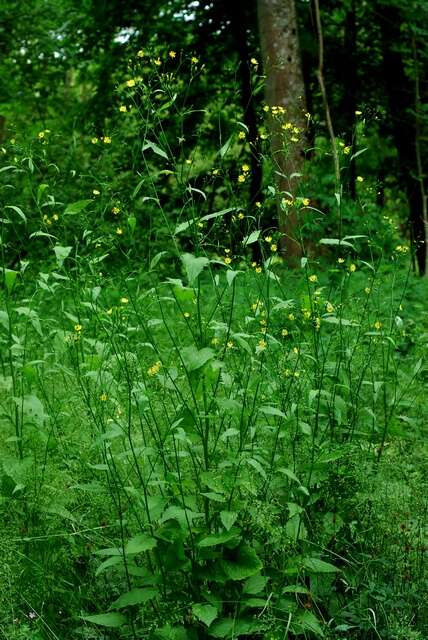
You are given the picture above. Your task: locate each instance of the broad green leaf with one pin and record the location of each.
(228, 519)
(154, 147)
(252, 237)
(193, 266)
(271, 411)
(114, 620)
(309, 622)
(194, 358)
(219, 538)
(218, 214)
(246, 564)
(135, 596)
(140, 544)
(315, 565)
(61, 254)
(255, 585)
(113, 561)
(206, 613)
(184, 225)
(9, 278)
(76, 207)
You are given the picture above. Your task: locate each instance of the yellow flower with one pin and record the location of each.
(124, 300)
(367, 290)
(268, 239)
(123, 108)
(119, 231)
(107, 140)
(347, 150)
(262, 345)
(109, 311)
(96, 192)
(352, 267)
(154, 369)
(77, 328)
(317, 323)
(266, 108)
(215, 340)
(358, 113)
(341, 260)
(157, 62)
(308, 115)
(186, 314)
(245, 168)
(140, 54)
(254, 61)
(94, 140)
(115, 210)
(227, 260)
(294, 139)
(274, 247)
(12, 141)
(313, 278)
(360, 179)
(241, 178)
(215, 172)
(130, 83)
(377, 325)
(172, 54)
(305, 202)
(194, 60)
(329, 307)
(258, 269)
(55, 217)
(306, 314)
(230, 344)
(287, 126)
(41, 134)
(103, 397)
(287, 203)
(296, 350)
(291, 316)
(241, 135)
(284, 333)
(258, 204)
(241, 216)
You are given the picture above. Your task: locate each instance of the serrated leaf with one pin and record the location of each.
(113, 620)
(255, 585)
(140, 544)
(206, 613)
(134, 596)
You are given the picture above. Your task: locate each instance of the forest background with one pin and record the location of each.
(214, 320)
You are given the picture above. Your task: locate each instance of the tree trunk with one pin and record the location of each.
(400, 92)
(284, 88)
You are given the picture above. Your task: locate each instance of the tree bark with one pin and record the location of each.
(284, 88)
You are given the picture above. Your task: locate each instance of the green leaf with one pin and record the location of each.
(140, 544)
(228, 519)
(315, 565)
(225, 148)
(219, 538)
(194, 358)
(218, 214)
(9, 278)
(113, 620)
(193, 266)
(253, 237)
(206, 613)
(154, 147)
(17, 210)
(155, 260)
(309, 622)
(336, 242)
(255, 585)
(132, 223)
(135, 596)
(113, 561)
(61, 254)
(76, 207)
(40, 191)
(246, 564)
